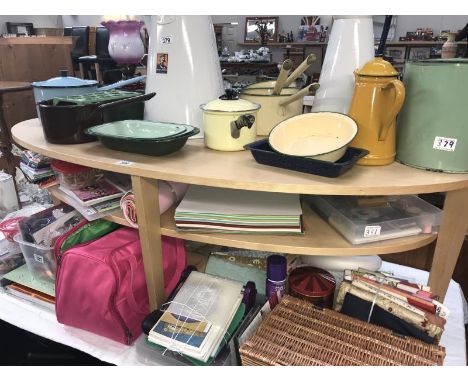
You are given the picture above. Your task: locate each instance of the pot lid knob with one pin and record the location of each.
(230, 95)
(63, 73)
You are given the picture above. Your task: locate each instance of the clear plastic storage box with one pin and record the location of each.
(39, 259)
(368, 219)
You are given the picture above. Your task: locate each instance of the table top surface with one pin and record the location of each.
(195, 164)
(13, 86)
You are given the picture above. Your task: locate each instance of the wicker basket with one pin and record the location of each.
(297, 333)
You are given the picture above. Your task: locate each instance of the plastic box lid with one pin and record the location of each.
(369, 219)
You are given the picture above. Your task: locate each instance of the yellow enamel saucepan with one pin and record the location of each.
(279, 101)
(277, 108)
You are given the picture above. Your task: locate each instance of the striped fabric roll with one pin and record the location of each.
(169, 193)
(128, 206)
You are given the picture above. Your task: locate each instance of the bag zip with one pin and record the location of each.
(59, 255)
(111, 306)
(61, 239)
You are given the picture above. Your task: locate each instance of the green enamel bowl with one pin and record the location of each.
(143, 137)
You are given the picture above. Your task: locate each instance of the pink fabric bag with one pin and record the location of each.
(100, 285)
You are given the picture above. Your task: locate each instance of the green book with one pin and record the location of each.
(23, 276)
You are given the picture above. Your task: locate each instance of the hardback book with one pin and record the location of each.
(32, 295)
(90, 213)
(101, 191)
(197, 318)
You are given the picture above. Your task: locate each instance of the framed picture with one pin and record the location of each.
(20, 29)
(253, 24)
(419, 53)
(162, 63)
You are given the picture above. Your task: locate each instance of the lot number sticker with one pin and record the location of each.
(166, 40)
(372, 230)
(445, 144)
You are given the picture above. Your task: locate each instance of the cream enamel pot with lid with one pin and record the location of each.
(229, 123)
(321, 135)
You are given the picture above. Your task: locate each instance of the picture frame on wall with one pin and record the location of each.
(251, 34)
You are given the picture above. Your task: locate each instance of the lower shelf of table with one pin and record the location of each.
(319, 238)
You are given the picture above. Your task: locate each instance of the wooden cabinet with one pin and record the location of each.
(30, 59)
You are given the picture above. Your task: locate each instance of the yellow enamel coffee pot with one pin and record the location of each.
(378, 97)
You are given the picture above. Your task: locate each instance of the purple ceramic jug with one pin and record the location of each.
(125, 44)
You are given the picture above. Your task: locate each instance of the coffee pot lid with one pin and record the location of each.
(377, 67)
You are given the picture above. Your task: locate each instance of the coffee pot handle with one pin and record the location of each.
(397, 105)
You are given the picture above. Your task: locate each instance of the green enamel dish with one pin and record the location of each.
(137, 129)
(143, 137)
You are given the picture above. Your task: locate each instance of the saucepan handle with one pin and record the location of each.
(279, 84)
(300, 69)
(300, 94)
(244, 120)
(119, 84)
(126, 101)
(397, 105)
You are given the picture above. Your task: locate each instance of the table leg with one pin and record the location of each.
(149, 226)
(5, 143)
(449, 241)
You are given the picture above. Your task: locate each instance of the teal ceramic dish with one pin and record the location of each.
(143, 137)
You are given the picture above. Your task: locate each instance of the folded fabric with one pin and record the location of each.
(358, 308)
(35, 160)
(421, 322)
(384, 293)
(33, 174)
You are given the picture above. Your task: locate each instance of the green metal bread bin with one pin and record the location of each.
(433, 125)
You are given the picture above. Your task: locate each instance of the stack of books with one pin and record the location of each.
(95, 201)
(211, 209)
(22, 284)
(36, 168)
(196, 322)
(403, 306)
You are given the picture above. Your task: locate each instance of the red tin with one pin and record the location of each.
(314, 285)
